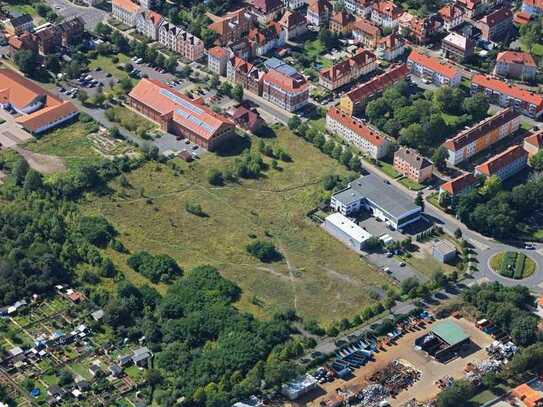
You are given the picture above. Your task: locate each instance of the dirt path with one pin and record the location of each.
(46, 164)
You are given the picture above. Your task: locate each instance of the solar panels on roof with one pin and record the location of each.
(180, 101)
(280, 66)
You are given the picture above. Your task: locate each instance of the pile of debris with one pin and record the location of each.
(396, 377)
(501, 351)
(474, 372)
(372, 395)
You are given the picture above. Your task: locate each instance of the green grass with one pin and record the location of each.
(389, 169)
(109, 66)
(513, 265)
(427, 264)
(538, 234)
(131, 120)
(325, 280)
(70, 143)
(26, 9)
(134, 373)
(412, 185)
(314, 49)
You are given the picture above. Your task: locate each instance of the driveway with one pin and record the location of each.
(11, 133)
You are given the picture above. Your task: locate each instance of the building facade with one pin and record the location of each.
(345, 72)
(505, 164)
(284, 86)
(357, 133)
(516, 64)
(496, 25)
(440, 73)
(413, 165)
(180, 41)
(533, 143)
(366, 33)
(318, 12)
(217, 59)
(18, 24)
(472, 141)
(125, 11)
(293, 23)
(148, 23)
(240, 72)
(390, 47)
(341, 22)
(459, 185)
(452, 16)
(385, 14)
(457, 47)
(233, 26)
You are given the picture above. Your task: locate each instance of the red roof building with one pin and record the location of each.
(318, 12)
(460, 185)
(179, 115)
(452, 16)
(385, 14)
(354, 102)
(505, 164)
(266, 10)
(343, 73)
(366, 33)
(496, 25)
(241, 72)
(341, 22)
(533, 143)
(356, 132)
(526, 102)
(516, 64)
(248, 119)
(440, 73)
(232, 26)
(294, 23)
(285, 88)
(532, 8)
(125, 11)
(390, 47)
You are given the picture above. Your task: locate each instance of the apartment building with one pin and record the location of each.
(241, 72)
(414, 166)
(72, 30)
(283, 86)
(472, 141)
(385, 14)
(505, 164)
(341, 22)
(471, 8)
(359, 7)
(217, 58)
(459, 185)
(516, 64)
(294, 4)
(48, 38)
(457, 47)
(148, 23)
(354, 102)
(421, 30)
(264, 39)
(180, 115)
(496, 25)
(266, 10)
(345, 72)
(533, 8)
(293, 23)
(526, 102)
(366, 33)
(233, 26)
(180, 41)
(354, 131)
(125, 11)
(452, 16)
(440, 73)
(533, 143)
(18, 24)
(26, 41)
(390, 47)
(318, 12)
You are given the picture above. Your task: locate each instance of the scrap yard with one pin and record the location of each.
(401, 372)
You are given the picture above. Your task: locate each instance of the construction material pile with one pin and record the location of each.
(372, 395)
(475, 372)
(501, 351)
(396, 377)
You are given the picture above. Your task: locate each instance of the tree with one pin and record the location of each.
(294, 122)
(33, 181)
(355, 164)
(477, 106)
(412, 136)
(103, 30)
(171, 65)
(237, 93)
(215, 177)
(373, 244)
(456, 395)
(153, 377)
(96, 230)
(419, 200)
(439, 279)
(20, 170)
(26, 61)
(448, 100)
(83, 96)
(458, 233)
(440, 158)
(264, 251)
(536, 161)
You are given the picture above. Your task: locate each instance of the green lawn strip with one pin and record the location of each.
(519, 266)
(529, 267)
(389, 169)
(412, 185)
(272, 208)
(111, 67)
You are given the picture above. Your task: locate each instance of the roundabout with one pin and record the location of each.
(512, 264)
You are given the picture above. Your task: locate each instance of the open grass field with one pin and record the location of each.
(70, 143)
(409, 183)
(130, 120)
(513, 265)
(109, 66)
(319, 276)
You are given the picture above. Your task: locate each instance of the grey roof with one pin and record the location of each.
(19, 19)
(97, 315)
(280, 66)
(444, 247)
(378, 193)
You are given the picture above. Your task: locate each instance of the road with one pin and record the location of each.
(90, 15)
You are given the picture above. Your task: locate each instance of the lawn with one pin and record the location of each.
(130, 120)
(388, 169)
(425, 264)
(537, 50)
(70, 143)
(319, 276)
(26, 9)
(538, 234)
(412, 185)
(513, 265)
(109, 66)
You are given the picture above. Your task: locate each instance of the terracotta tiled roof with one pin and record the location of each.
(450, 12)
(357, 126)
(126, 5)
(246, 115)
(469, 4)
(42, 117)
(360, 59)
(458, 185)
(267, 6)
(529, 396)
(535, 139)
(496, 17)
(366, 27)
(534, 3)
(22, 91)
(196, 117)
(154, 17)
(502, 160)
(387, 8)
(319, 6)
(391, 41)
(378, 83)
(474, 133)
(342, 18)
(433, 64)
(516, 57)
(218, 52)
(413, 158)
(292, 19)
(287, 83)
(509, 90)
(522, 18)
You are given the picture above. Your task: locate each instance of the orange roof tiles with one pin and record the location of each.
(342, 18)
(529, 396)
(509, 90)
(366, 27)
(357, 126)
(22, 91)
(40, 118)
(291, 19)
(522, 18)
(479, 130)
(535, 139)
(126, 5)
(387, 8)
(378, 83)
(450, 12)
(218, 52)
(319, 6)
(516, 57)
(196, 117)
(361, 58)
(459, 184)
(502, 160)
(391, 41)
(433, 64)
(287, 83)
(496, 17)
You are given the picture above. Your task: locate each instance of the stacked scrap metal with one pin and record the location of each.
(396, 377)
(372, 395)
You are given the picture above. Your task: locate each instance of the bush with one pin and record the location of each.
(215, 177)
(195, 209)
(159, 268)
(96, 230)
(264, 251)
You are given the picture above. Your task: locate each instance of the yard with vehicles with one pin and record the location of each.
(151, 215)
(513, 265)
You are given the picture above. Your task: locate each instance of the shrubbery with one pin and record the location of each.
(159, 268)
(264, 251)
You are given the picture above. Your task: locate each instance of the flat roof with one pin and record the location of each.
(385, 196)
(450, 332)
(444, 247)
(348, 226)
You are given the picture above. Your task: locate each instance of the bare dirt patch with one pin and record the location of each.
(46, 164)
